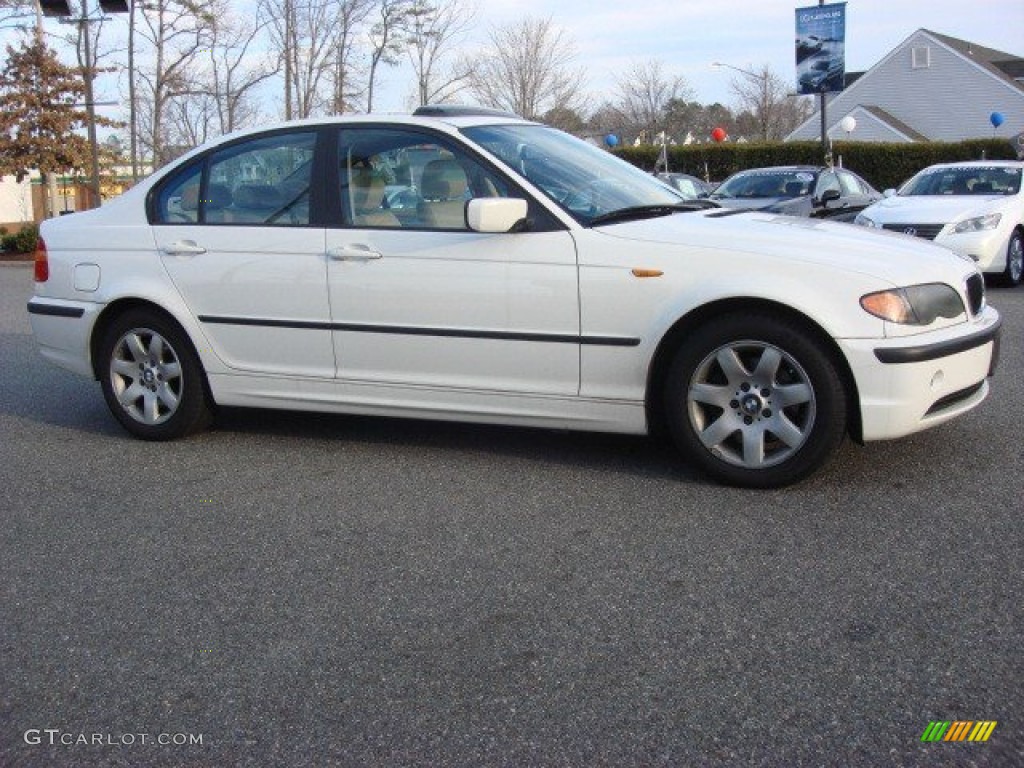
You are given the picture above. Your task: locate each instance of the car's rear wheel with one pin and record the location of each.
(1014, 260)
(152, 378)
(755, 401)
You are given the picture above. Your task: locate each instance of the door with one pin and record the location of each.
(419, 299)
(237, 234)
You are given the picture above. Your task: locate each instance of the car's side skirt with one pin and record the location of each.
(403, 401)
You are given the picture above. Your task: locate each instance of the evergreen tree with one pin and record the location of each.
(39, 115)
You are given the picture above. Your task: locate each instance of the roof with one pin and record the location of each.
(1000, 63)
(894, 122)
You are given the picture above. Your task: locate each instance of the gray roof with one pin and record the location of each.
(1005, 65)
(894, 122)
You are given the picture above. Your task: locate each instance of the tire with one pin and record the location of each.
(1014, 260)
(151, 377)
(755, 401)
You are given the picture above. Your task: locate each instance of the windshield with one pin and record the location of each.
(586, 181)
(964, 180)
(774, 183)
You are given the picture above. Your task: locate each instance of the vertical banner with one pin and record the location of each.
(820, 48)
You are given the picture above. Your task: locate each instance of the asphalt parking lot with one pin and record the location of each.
(304, 590)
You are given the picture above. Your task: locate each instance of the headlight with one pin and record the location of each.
(864, 221)
(978, 223)
(914, 305)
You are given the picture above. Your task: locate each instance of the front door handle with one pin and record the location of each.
(183, 248)
(357, 252)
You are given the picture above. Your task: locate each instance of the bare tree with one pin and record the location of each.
(192, 120)
(433, 29)
(175, 31)
(234, 72)
(346, 84)
(18, 14)
(643, 94)
(301, 34)
(768, 98)
(386, 40)
(226, 74)
(529, 69)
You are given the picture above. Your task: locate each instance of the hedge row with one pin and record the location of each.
(23, 241)
(884, 165)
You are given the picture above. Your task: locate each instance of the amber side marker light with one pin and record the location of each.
(647, 273)
(42, 266)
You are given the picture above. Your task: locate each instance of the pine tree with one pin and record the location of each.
(38, 113)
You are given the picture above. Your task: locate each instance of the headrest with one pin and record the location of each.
(367, 187)
(218, 196)
(443, 180)
(257, 196)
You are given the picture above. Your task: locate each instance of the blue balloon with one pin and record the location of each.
(611, 140)
(997, 119)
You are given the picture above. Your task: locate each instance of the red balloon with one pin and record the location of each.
(718, 134)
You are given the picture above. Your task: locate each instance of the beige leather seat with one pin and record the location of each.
(367, 190)
(443, 189)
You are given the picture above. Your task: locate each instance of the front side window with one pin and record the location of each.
(400, 178)
(851, 184)
(828, 182)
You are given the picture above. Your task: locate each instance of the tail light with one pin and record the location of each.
(42, 265)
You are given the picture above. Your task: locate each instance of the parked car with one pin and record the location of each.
(798, 190)
(806, 46)
(690, 187)
(537, 281)
(974, 208)
(822, 72)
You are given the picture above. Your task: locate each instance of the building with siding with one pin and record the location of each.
(931, 87)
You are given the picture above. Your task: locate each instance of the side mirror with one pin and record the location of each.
(829, 196)
(889, 192)
(495, 214)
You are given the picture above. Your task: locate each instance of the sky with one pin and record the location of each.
(688, 35)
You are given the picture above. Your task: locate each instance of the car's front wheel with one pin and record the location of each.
(152, 378)
(755, 401)
(1014, 260)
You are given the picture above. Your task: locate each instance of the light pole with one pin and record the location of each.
(61, 9)
(763, 96)
(752, 75)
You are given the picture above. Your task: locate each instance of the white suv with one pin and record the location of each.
(469, 265)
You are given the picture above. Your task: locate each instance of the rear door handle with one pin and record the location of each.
(183, 248)
(356, 252)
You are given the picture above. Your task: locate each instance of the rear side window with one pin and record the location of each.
(265, 181)
(178, 201)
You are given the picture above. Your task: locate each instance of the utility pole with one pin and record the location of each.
(824, 122)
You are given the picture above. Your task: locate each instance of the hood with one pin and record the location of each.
(930, 209)
(795, 206)
(895, 258)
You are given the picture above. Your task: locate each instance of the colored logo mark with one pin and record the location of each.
(958, 730)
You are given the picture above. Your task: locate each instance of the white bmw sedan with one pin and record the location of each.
(974, 208)
(468, 265)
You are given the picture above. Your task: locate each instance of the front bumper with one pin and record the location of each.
(913, 383)
(987, 248)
